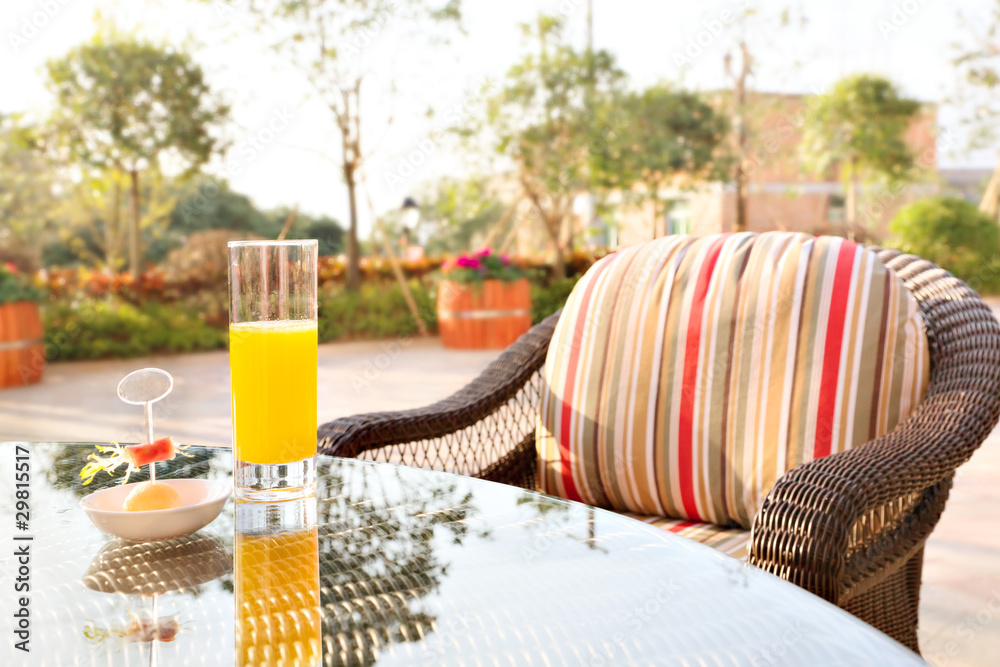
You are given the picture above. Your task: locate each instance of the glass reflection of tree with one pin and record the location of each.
(379, 527)
(68, 460)
(555, 517)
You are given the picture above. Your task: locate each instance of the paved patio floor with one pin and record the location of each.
(960, 612)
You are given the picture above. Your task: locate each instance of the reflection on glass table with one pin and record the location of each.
(144, 571)
(409, 567)
(277, 584)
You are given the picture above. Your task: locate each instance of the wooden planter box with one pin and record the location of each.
(22, 353)
(488, 316)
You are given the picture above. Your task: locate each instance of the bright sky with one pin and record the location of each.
(298, 161)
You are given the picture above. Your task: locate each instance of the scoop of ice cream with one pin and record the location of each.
(152, 496)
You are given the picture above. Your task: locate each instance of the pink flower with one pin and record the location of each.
(485, 252)
(505, 258)
(10, 267)
(468, 262)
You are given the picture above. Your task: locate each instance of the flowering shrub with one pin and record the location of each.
(482, 265)
(333, 270)
(15, 286)
(172, 282)
(82, 282)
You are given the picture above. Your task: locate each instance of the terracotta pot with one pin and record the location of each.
(22, 354)
(487, 316)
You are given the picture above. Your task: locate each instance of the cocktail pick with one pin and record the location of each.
(145, 387)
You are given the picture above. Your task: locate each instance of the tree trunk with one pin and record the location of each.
(740, 176)
(566, 227)
(112, 226)
(554, 227)
(353, 254)
(742, 192)
(134, 253)
(742, 137)
(349, 122)
(851, 205)
(558, 264)
(658, 212)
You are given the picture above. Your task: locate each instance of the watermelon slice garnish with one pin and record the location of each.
(161, 450)
(135, 456)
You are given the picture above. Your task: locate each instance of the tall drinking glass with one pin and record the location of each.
(273, 356)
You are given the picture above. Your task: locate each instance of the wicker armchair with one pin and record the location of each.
(850, 527)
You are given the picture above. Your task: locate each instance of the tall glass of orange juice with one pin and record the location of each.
(276, 582)
(273, 357)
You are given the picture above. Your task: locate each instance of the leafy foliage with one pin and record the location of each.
(460, 214)
(123, 104)
(953, 234)
(659, 137)
(115, 323)
(376, 311)
(204, 259)
(979, 70)
(483, 265)
(27, 200)
(114, 328)
(331, 43)
(862, 119)
(90, 227)
(542, 120)
(15, 286)
(978, 64)
(208, 204)
(860, 125)
(547, 299)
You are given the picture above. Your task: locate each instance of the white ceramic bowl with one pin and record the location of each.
(201, 501)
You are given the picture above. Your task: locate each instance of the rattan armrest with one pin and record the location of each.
(838, 525)
(502, 380)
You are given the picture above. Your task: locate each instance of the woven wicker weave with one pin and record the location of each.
(850, 527)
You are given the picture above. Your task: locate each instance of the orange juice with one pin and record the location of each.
(277, 599)
(273, 366)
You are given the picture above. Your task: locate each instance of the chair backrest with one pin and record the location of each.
(687, 374)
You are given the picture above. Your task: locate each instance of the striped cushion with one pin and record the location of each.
(687, 374)
(733, 542)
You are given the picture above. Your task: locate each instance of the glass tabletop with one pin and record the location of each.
(394, 566)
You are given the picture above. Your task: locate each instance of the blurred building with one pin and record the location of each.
(966, 183)
(784, 194)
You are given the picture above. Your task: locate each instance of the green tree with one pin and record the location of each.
(330, 42)
(209, 204)
(125, 104)
(327, 231)
(978, 65)
(27, 194)
(860, 125)
(953, 234)
(749, 33)
(89, 229)
(205, 204)
(660, 137)
(541, 121)
(459, 214)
